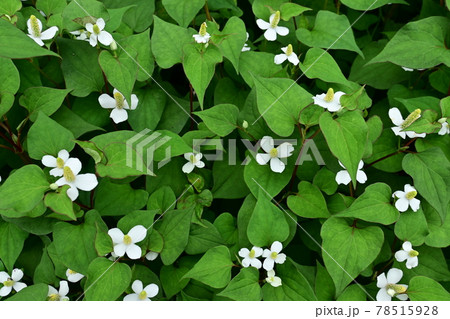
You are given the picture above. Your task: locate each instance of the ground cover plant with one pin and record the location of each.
(224, 150)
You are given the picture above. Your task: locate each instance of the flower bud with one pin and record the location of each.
(53, 186)
(245, 124)
(113, 45)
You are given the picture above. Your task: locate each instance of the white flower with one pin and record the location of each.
(126, 244)
(397, 119)
(273, 155)
(85, 182)
(445, 127)
(202, 36)
(406, 198)
(194, 160)
(272, 279)
(288, 54)
(57, 162)
(251, 257)
(151, 255)
(329, 100)
(61, 295)
(118, 104)
(73, 276)
(410, 70)
(343, 177)
(245, 47)
(408, 254)
(273, 256)
(141, 293)
(81, 35)
(271, 27)
(97, 34)
(389, 287)
(35, 31)
(10, 283)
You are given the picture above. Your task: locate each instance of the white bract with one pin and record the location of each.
(245, 47)
(57, 162)
(141, 293)
(251, 257)
(408, 254)
(35, 30)
(85, 182)
(151, 255)
(273, 256)
(329, 100)
(119, 105)
(410, 70)
(58, 295)
(401, 125)
(343, 177)
(389, 287)
(271, 27)
(194, 160)
(97, 34)
(11, 282)
(202, 36)
(81, 35)
(73, 276)
(445, 127)
(274, 155)
(272, 279)
(288, 54)
(406, 198)
(126, 244)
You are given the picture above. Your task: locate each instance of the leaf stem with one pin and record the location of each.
(191, 106)
(208, 14)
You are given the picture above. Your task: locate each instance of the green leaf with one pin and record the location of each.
(15, 44)
(73, 122)
(231, 45)
(294, 285)
(350, 249)
(11, 244)
(66, 237)
(183, 11)
(47, 137)
(229, 180)
(326, 181)
(365, 5)
(10, 7)
(11, 77)
(438, 231)
(162, 199)
(77, 14)
(244, 287)
(267, 224)
(352, 293)
(168, 41)
(140, 43)
(175, 231)
(107, 280)
(374, 205)
(328, 27)
(45, 270)
(46, 100)
(51, 6)
(36, 292)
(280, 102)
(171, 278)
(346, 137)
(138, 18)
(418, 45)
(120, 71)
(319, 64)
(60, 203)
(430, 171)
(112, 199)
(264, 8)
(214, 268)
(445, 106)
(290, 10)
(425, 289)
(80, 68)
(23, 190)
(324, 285)
(258, 64)
(220, 119)
(202, 238)
(309, 202)
(199, 67)
(412, 226)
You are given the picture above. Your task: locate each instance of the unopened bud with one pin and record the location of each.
(54, 186)
(245, 124)
(113, 45)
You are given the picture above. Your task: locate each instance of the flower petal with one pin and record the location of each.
(412, 262)
(86, 182)
(361, 177)
(281, 258)
(89, 27)
(415, 204)
(276, 165)
(120, 249)
(134, 101)
(134, 251)
(131, 297)
(3, 276)
(402, 297)
(285, 150)
(262, 159)
(276, 246)
(266, 253)
(407, 246)
(49, 33)
(343, 177)
(408, 188)
(151, 290)
(293, 58)
(402, 204)
(93, 40)
(63, 288)
(270, 34)
(394, 275)
(398, 131)
(137, 286)
(256, 263)
(119, 115)
(395, 116)
(16, 274)
(280, 58)
(18, 286)
(151, 255)
(137, 233)
(276, 282)
(100, 23)
(116, 235)
(200, 164)
(382, 295)
(105, 38)
(267, 144)
(4, 291)
(73, 193)
(74, 164)
(268, 264)
(401, 255)
(258, 251)
(263, 25)
(48, 161)
(188, 167)
(37, 40)
(246, 262)
(106, 101)
(381, 281)
(243, 252)
(282, 30)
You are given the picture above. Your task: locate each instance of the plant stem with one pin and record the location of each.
(208, 15)
(191, 106)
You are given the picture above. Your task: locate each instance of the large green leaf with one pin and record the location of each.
(140, 43)
(419, 44)
(346, 137)
(308, 202)
(60, 203)
(244, 287)
(42, 99)
(214, 268)
(220, 119)
(10, 7)
(183, 11)
(261, 64)
(280, 102)
(426, 289)
(374, 205)
(36, 292)
(11, 244)
(106, 280)
(365, 5)
(234, 37)
(412, 226)
(330, 31)
(348, 250)
(430, 171)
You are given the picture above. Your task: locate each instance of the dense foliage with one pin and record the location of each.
(224, 150)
